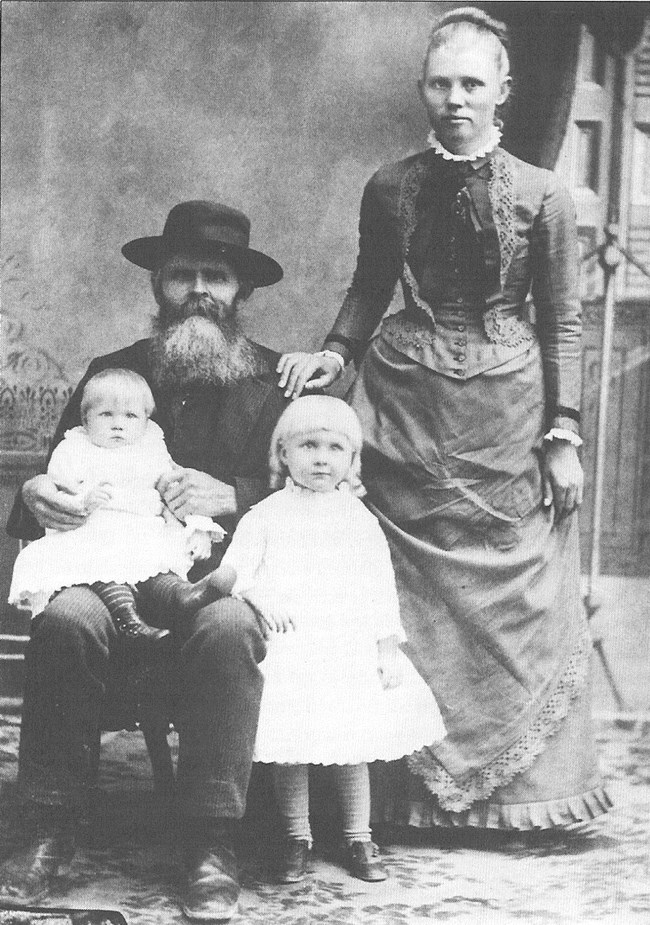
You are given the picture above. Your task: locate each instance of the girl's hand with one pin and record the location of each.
(98, 497)
(271, 616)
(389, 667)
(296, 371)
(278, 622)
(53, 509)
(563, 477)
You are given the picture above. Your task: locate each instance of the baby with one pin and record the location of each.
(111, 464)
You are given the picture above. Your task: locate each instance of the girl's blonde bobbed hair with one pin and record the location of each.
(317, 412)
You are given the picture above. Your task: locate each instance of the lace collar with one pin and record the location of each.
(493, 140)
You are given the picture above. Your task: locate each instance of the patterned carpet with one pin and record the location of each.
(127, 860)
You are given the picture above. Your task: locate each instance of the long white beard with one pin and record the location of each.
(201, 350)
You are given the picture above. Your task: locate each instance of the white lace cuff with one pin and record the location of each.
(560, 433)
(334, 356)
(203, 524)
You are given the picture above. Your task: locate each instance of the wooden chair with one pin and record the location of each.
(139, 698)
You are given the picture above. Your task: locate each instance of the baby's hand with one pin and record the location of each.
(199, 545)
(389, 667)
(98, 497)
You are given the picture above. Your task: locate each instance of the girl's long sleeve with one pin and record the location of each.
(246, 553)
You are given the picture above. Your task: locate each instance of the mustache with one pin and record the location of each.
(198, 306)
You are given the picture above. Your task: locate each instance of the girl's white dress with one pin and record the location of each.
(126, 542)
(322, 559)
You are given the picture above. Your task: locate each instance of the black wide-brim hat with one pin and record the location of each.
(205, 229)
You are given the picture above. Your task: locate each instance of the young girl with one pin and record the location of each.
(111, 465)
(313, 562)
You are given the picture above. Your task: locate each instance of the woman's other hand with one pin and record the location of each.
(53, 509)
(563, 478)
(390, 670)
(296, 371)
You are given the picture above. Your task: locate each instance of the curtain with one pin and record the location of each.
(545, 42)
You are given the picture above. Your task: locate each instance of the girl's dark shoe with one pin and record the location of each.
(135, 631)
(363, 861)
(295, 858)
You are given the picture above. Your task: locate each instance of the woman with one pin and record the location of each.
(470, 417)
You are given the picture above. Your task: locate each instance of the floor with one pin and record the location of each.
(127, 862)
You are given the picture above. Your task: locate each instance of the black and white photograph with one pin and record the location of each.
(325, 462)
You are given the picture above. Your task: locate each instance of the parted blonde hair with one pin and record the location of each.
(455, 21)
(317, 412)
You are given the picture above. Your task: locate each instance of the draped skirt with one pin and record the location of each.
(489, 586)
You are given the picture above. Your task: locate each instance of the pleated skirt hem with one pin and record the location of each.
(564, 813)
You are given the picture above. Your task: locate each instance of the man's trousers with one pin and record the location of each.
(217, 690)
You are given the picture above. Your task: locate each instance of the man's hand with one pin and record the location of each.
(296, 371)
(189, 491)
(388, 662)
(53, 509)
(563, 477)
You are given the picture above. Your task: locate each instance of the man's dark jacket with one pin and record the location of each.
(224, 431)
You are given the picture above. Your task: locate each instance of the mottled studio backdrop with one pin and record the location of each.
(113, 112)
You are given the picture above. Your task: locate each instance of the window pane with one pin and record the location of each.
(641, 164)
(588, 155)
(638, 233)
(594, 60)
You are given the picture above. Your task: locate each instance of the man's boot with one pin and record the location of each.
(26, 877)
(211, 888)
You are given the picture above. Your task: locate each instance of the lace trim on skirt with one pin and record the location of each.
(458, 796)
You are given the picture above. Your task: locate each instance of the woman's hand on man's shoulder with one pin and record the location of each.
(298, 369)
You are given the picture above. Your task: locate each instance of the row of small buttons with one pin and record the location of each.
(461, 342)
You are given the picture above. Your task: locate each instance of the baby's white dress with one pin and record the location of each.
(126, 542)
(322, 559)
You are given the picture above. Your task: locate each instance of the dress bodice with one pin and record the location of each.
(446, 252)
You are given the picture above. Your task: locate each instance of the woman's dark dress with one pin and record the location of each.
(455, 394)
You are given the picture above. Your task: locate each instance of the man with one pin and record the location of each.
(217, 404)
